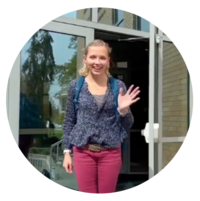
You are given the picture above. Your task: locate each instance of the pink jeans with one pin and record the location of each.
(97, 172)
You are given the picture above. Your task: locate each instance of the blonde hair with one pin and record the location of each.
(84, 70)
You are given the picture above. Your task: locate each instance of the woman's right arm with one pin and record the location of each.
(69, 118)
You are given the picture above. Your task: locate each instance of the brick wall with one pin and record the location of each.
(169, 151)
(105, 16)
(175, 99)
(129, 20)
(84, 14)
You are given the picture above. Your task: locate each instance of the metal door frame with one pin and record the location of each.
(13, 88)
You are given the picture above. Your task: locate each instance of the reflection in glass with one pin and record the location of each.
(48, 63)
(118, 17)
(145, 24)
(142, 24)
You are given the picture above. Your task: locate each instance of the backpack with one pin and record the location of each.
(114, 87)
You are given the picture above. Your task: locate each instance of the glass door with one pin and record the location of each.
(38, 85)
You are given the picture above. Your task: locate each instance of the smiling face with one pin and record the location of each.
(97, 59)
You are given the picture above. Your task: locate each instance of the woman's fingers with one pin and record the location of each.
(121, 91)
(70, 168)
(134, 91)
(130, 89)
(135, 100)
(133, 95)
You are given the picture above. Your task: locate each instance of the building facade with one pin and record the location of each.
(142, 54)
(175, 89)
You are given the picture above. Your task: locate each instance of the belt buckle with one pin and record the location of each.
(94, 147)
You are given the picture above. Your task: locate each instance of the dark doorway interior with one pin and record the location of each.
(130, 60)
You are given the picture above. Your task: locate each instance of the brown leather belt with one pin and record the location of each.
(94, 147)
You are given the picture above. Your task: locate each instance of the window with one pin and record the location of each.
(99, 9)
(85, 10)
(64, 101)
(142, 24)
(117, 17)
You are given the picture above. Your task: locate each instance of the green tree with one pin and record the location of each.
(54, 110)
(67, 72)
(73, 42)
(59, 118)
(39, 67)
(38, 73)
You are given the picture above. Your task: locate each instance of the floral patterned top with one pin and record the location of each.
(94, 121)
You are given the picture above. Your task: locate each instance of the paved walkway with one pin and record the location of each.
(72, 184)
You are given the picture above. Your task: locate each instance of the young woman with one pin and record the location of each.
(92, 130)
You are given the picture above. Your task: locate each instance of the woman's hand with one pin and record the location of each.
(67, 163)
(127, 99)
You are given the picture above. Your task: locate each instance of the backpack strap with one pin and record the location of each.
(115, 90)
(79, 84)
